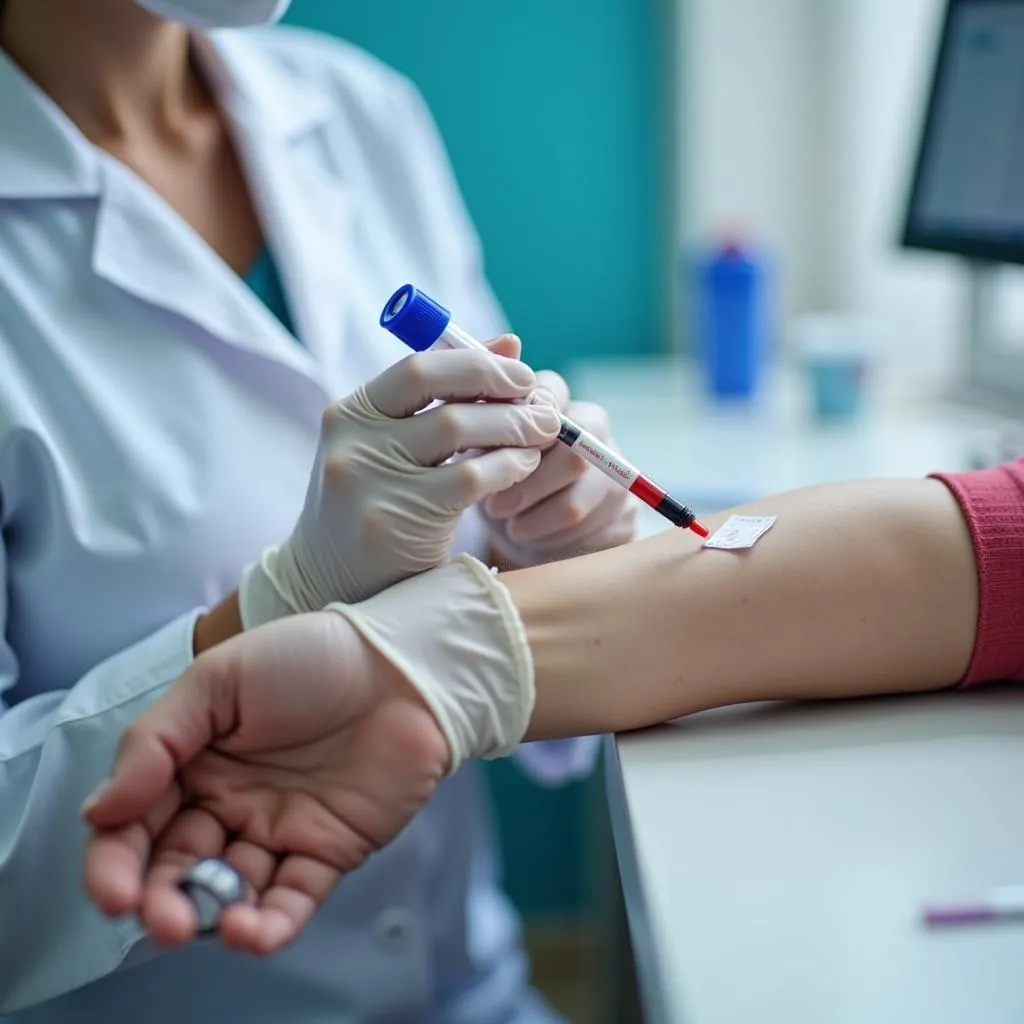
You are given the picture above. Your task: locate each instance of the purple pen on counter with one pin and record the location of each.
(1002, 903)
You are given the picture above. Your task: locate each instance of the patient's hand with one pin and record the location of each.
(292, 751)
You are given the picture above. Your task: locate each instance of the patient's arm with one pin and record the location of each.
(859, 588)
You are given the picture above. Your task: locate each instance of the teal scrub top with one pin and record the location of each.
(264, 281)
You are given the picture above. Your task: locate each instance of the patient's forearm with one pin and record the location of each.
(858, 588)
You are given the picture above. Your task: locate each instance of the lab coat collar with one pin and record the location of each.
(255, 90)
(304, 208)
(44, 155)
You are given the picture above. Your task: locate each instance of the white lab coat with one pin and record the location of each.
(157, 426)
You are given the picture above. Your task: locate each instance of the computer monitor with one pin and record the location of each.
(967, 192)
(967, 195)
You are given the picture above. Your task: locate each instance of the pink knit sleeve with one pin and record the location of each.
(993, 505)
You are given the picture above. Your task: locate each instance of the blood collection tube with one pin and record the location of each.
(422, 323)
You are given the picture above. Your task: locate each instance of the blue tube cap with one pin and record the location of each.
(414, 318)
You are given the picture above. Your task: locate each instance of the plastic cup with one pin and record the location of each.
(835, 353)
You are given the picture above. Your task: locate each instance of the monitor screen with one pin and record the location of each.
(967, 195)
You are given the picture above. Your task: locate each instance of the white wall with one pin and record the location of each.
(748, 124)
(802, 120)
(887, 51)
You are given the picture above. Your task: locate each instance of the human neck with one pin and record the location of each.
(118, 72)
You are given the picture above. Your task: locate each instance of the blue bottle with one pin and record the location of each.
(732, 320)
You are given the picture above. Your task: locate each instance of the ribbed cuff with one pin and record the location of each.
(992, 501)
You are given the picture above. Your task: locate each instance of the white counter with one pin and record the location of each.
(775, 861)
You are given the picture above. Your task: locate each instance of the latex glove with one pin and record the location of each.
(297, 785)
(382, 504)
(566, 507)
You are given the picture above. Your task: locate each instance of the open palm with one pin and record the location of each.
(292, 751)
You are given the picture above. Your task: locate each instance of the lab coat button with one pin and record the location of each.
(394, 927)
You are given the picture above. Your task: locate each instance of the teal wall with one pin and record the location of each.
(550, 109)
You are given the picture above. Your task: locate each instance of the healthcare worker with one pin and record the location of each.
(198, 229)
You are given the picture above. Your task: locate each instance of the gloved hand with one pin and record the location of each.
(565, 507)
(295, 786)
(382, 504)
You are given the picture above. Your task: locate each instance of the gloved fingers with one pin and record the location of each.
(589, 503)
(597, 534)
(448, 375)
(608, 527)
(592, 417)
(438, 434)
(466, 482)
(507, 345)
(559, 468)
(552, 388)
(604, 529)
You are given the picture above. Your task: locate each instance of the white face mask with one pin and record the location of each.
(218, 13)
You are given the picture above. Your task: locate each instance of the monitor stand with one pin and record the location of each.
(992, 374)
